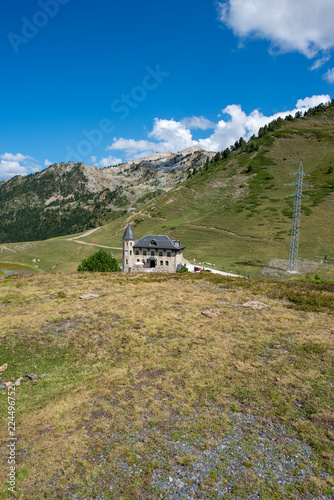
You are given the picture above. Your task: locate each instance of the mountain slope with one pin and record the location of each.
(237, 211)
(68, 198)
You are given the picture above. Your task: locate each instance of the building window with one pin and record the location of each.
(126, 253)
(137, 252)
(167, 263)
(161, 263)
(153, 242)
(138, 260)
(130, 243)
(152, 254)
(160, 254)
(144, 252)
(126, 262)
(130, 252)
(143, 261)
(168, 254)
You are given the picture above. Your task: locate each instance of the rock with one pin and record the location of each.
(32, 376)
(89, 296)
(18, 381)
(2, 387)
(3, 367)
(254, 305)
(211, 313)
(9, 385)
(43, 375)
(179, 483)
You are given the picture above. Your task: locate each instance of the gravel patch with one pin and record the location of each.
(256, 454)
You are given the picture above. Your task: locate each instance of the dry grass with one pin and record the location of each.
(141, 353)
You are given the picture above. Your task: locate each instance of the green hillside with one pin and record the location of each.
(236, 212)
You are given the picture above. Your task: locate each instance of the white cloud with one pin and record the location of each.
(11, 157)
(311, 102)
(329, 76)
(17, 164)
(93, 159)
(110, 161)
(198, 123)
(305, 26)
(131, 146)
(319, 63)
(9, 169)
(47, 163)
(240, 124)
(174, 136)
(170, 134)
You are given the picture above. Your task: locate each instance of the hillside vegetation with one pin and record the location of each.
(68, 198)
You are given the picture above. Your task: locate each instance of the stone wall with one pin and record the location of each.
(173, 257)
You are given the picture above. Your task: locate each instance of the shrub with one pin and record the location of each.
(183, 269)
(100, 261)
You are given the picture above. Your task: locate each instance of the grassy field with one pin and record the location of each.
(55, 255)
(142, 389)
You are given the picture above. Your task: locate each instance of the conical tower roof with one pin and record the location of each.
(128, 235)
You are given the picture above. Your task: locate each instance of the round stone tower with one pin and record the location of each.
(128, 257)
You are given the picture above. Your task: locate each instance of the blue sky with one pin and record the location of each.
(105, 81)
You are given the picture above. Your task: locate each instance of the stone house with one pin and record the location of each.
(158, 253)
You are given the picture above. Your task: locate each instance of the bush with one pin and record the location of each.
(183, 269)
(100, 261)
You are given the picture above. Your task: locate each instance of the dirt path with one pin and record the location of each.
(75, 239)
(95, 244)
(3, 248)
(144, 214)
(85, 234)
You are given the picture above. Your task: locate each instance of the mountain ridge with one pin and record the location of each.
(83, 196)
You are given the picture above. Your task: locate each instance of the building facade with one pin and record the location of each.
(157, 253)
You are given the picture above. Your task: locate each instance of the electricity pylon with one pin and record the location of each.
(292, 266)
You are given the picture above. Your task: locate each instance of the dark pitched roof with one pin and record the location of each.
(161, 241)
(128, 235)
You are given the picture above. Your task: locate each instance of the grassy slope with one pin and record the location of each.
(231, 218)
(125, 382)
(235, 220)
(57, 254)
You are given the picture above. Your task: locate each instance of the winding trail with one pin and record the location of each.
(95, 245)
(75, 239)
(85, 234)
